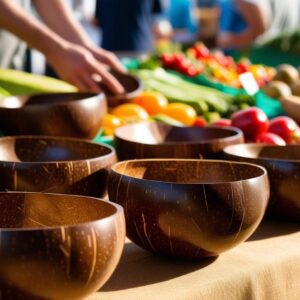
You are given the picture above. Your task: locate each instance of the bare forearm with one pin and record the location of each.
(27, 28)
(256, 24)
(56, 14)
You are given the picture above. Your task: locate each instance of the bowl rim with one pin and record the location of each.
(261, 158)
(127, 95)
(101, 96)
(118, 210)
(112, 152)
(262, 169)
(237, 135)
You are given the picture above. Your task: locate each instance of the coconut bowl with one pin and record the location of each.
(57, 246)
(54, 165)
(132, 85)
(283, 166)
(66, 114)
(189, 208)
(159, 140)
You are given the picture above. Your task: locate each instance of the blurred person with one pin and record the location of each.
(244, 22)
(182, 18)
(61, 39)
(127, 25)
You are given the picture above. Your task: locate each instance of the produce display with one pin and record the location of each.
(214, 65)
(174, 99)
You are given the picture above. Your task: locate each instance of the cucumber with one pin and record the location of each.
(168, 120)
(3, 92)
(17, 82)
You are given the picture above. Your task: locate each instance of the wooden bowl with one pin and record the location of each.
(133, 87)
(57, 246)
(67, 114)
(283, 166)
(54, 165)
(158, 140)
(189, 208)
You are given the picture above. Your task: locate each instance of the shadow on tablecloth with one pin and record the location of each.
(150, 269)
(269, 229)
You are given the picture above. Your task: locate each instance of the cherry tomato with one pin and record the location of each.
(270, 138)
(285, 127)
(130, 112)
(200, 122)
(110, 123)
(222, 122)
(181, 112)
(178, 59)
(168, 60)
(242, 68)
(152, 102)
(201, 50)
(192, 71)
(252, 121)
(183, 65)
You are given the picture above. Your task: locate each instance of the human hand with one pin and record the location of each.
(80, 67)
(106, 57)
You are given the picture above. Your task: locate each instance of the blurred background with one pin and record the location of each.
(137, 26)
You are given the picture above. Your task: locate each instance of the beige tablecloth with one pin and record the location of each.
(267, 266)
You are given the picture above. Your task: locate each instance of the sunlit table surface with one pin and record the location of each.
(267, 266)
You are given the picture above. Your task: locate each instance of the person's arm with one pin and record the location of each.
(73, 63)
(255, 20)
(58, 16)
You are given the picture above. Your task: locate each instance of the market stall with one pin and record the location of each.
(194, 225)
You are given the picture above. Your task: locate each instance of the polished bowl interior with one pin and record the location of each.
(159, 140)
(53, 164)
(64, 114)
(132, 85)
(57, 246)
(283, 166)
(189, 208)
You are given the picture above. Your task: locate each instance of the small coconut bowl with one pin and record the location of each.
(159, 140)
(283, 166)
(132, 85)
(66, 114)
(54, 165)
(189, 208)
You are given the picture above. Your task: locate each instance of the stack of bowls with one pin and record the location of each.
(56, 246)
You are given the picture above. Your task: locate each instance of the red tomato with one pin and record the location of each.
(242, 68)
(168, 60)
(285, 127)
(193, 71)
(178, 60)
(183, 65)
(270, 138)
(222, 122)
(201, 50)
(252, 121)
(200, 122)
